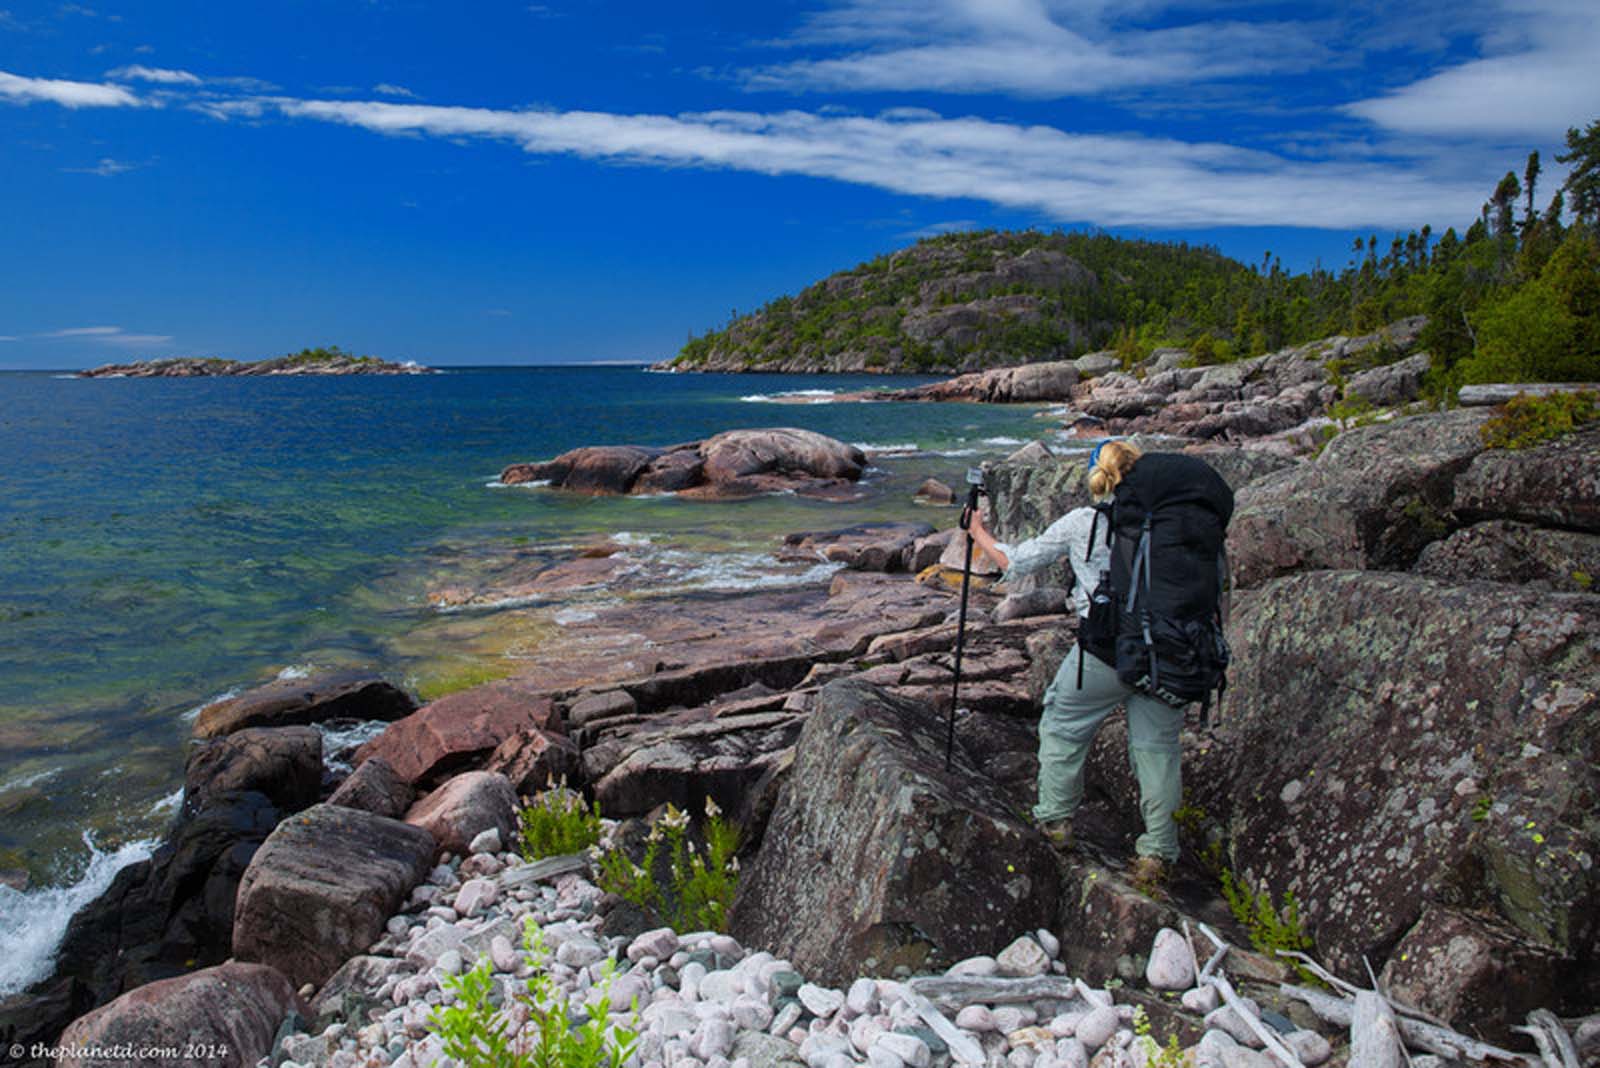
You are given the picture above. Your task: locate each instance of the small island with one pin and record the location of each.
(331, 360)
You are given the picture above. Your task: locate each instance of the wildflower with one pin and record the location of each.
(713, 810)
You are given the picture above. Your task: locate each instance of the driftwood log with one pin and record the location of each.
(959, 991)
(1415, 1033)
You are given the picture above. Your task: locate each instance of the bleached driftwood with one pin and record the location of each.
(1499, 393)
(1555, 1045)
(1418, 1035)
(1352, 990)
(962, 1046)
(962, 990)
(1374, 1033)
(1236, 1003)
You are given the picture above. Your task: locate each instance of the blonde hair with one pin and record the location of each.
(1116, 459)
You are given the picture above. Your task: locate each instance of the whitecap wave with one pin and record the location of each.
(167, 804)
(33, 922)
(792, 396)
(295, 671)
(1002, 441)
(628, 537)
(902, 448)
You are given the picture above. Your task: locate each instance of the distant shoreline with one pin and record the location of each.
(319, 363)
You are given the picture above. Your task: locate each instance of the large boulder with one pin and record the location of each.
(284, 763)
(746, 462)
(1505, 551)
(374, 787)
(864, 547)
(684, 760)
(1030, 382)
(591, 469)
(532, 759)
(459, 731)
(1556, 484)
(226, 1015)
(1392, 743)
(464, 808)
(1374, 498)
(322, 887)
(289, 702)
(878, 857)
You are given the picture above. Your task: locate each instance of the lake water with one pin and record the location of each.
(164, 541)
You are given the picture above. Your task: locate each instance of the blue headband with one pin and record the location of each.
(1094, 457)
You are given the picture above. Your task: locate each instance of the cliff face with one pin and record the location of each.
(961, 302)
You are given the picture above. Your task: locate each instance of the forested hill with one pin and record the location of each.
(979, 299)
(1510, 299)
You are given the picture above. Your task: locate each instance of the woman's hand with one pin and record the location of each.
(985, 540)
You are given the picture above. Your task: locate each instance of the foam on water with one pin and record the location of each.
(1002, 441)
(167, 804)
(905, 448)
(32, 922)
(347, 739)
(792, 396)
(226, 695)
(295, 671)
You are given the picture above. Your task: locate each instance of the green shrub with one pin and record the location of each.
(557, 823)
(1527, 420)
(478, 1033)
(1269, 929)
(699, 882)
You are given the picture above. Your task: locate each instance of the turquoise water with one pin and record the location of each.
(165, 541)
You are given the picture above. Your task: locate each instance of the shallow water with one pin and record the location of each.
(164, 541)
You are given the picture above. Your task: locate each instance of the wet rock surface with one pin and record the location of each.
(290, 702)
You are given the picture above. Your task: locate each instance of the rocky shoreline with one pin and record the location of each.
(1406, 748)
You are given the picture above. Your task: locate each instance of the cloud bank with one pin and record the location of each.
(21, 90)
(1102, 179)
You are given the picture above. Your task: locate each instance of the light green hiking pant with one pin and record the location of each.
(1067, 729)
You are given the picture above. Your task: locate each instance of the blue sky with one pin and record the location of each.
(577, 180)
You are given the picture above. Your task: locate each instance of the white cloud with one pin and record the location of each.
(21, 90)
(1041, 48)
(388, 89)
(136, 73)
(1536, 77)
(1110, 180)
(107, 335)
(6, 337)
(106, 168)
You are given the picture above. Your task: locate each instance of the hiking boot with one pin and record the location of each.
(1149, 875)
(1058, 833)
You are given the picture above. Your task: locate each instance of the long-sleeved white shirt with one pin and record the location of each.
(1066, 537)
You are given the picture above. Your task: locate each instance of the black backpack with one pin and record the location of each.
(1156, 616)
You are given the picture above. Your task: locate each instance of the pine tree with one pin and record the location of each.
(1583, 184)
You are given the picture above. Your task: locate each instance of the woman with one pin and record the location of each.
(1073, 712)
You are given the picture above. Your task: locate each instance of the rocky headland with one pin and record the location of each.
(311, 362)
(1405, 751)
